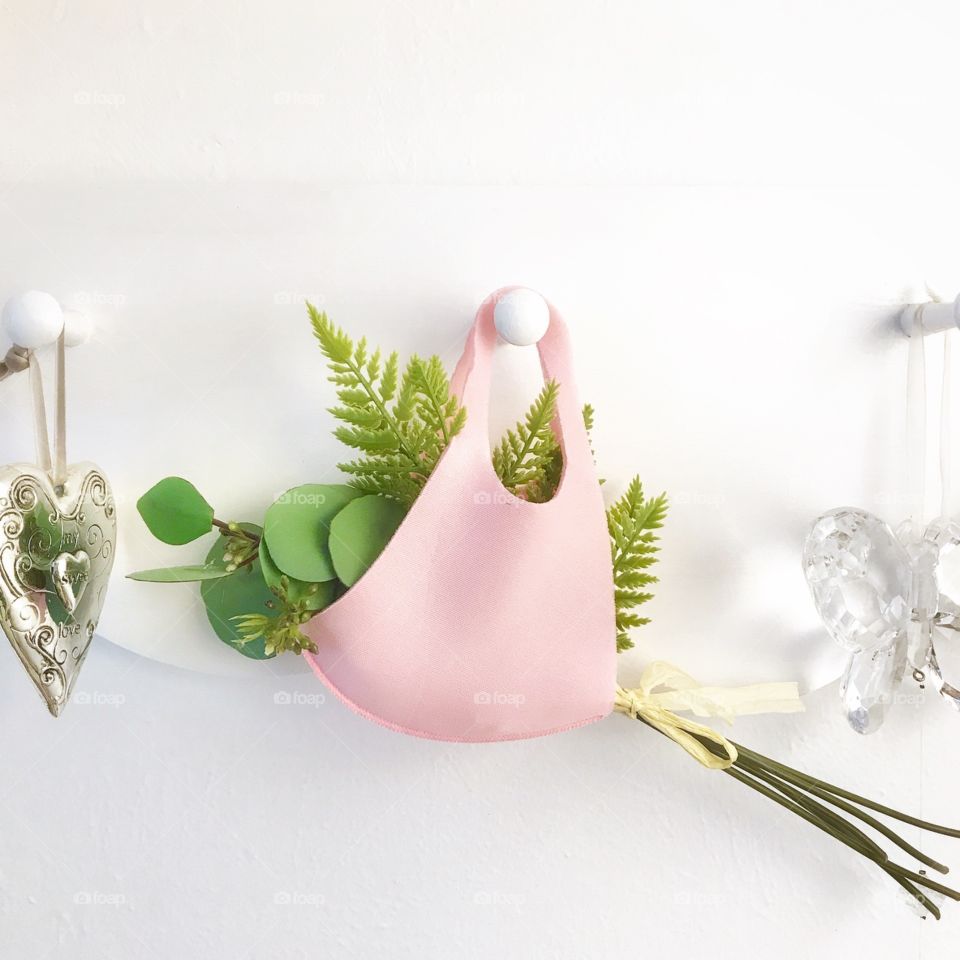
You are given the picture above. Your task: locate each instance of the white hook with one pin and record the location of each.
(936, 317)
(77, 328)
(33, 319)
(521, 317)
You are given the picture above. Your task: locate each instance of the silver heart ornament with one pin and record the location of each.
(56, 553)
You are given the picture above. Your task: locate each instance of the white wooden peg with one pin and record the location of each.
(77, 328)
(521, 317)
(33, 319)
(934, 317)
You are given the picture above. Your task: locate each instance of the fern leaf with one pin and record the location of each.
(400, 425)
(334, 343)
(358, 416)
(388, 384)
(524, 453)
(588, 417)
(631, 522)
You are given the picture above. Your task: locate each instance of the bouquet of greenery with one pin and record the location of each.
(262, 582)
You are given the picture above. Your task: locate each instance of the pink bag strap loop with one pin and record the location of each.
(472, 378)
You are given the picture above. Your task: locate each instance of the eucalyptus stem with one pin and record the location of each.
(235, 530)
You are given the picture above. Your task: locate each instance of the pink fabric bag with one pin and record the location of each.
(486, 617)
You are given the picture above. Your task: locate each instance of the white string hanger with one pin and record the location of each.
(919, 321)
(34, 320)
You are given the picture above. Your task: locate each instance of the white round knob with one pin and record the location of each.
(521, 317)
(32, 319)
(77, 328)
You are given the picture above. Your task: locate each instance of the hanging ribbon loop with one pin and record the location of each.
(916, 426)
(54, 462)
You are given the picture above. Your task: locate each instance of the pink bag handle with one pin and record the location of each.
(472, 377)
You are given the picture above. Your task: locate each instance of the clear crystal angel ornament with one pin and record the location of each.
(879, 591)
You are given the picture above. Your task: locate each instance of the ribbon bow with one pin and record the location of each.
(679, 691)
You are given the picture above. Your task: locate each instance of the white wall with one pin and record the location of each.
(727, 201)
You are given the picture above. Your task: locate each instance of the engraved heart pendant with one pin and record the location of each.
(56, 553)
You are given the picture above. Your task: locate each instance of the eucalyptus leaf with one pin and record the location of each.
(175, 512)
(359, 533)
(297, 529)
(187, 574)
(316, 595)
(241, 593)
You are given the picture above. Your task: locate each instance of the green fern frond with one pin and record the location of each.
(525, 452)
(588, 416)
(388, 382)
(335, 344)
(633, 544)
(542, 486)
(400, 425)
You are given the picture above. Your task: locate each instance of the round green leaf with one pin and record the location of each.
(297, 529)
(175, 512)
(359, 533)
(243, 592)
(317, 595)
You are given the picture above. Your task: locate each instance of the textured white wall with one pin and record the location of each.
(726, 200)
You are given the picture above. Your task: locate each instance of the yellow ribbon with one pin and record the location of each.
(679, 691)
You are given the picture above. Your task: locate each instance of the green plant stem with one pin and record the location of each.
(228, 531)
(806, 781)
(917, 895)
(821, 824)
(801, 794)
(881, 828)
(926, 881)
(869, 847)
(878, 854)
(802, 812)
